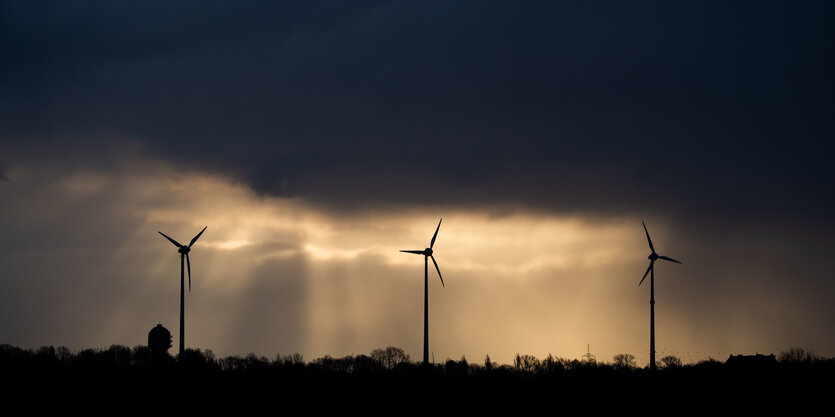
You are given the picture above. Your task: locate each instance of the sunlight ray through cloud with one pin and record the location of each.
(230, 244)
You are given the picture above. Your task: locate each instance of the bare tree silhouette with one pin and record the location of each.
(796, 355)
(390, 357)
(670, 361)
(624, 361)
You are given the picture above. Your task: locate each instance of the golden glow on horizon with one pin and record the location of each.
(522, 282)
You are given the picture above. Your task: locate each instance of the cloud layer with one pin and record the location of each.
(592, 108)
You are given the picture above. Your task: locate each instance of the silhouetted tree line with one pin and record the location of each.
(387, 380)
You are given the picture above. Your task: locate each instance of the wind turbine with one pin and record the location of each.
(183, 250)
(427, 253)
(651, 271)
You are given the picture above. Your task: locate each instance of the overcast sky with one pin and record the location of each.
(316, 139)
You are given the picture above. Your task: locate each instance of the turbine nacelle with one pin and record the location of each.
(428, 252)
(653, 256)
(184, 250)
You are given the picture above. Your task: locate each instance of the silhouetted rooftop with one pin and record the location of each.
(751, 360)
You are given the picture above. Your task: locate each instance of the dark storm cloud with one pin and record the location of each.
(594, 107)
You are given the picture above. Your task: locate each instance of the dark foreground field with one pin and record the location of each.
(121, 380)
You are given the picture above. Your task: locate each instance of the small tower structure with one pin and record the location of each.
(588, 357)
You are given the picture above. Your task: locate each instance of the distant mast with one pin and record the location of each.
(588, 357)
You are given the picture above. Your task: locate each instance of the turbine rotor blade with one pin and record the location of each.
(188, 261)
(177, 244)
(419, 252)
(436, 234)
(439, 271)
(648, 239)
(645, 274)
(197, 237)
(668, 259)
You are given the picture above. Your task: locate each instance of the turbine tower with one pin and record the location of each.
(651, 271)
(427, 253)
(183, 250)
